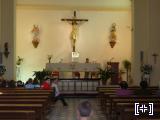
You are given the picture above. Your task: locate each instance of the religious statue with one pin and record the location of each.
(74, 22)
(73, 36)
(36, 39)
(113, 36)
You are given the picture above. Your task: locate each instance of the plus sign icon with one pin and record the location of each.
(143, 108)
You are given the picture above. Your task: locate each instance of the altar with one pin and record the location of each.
(73, 67)
(70, 83)
(66, 70)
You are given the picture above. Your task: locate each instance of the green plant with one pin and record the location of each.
(105, 74)
(127, 66)
(40, 75)
(2, 69)
(146, 69)
(19, 60)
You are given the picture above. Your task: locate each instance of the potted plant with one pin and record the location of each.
(2, 70)
(19, 61)
(40, 75)
(146, 72)
(105, 74)
(127, 66)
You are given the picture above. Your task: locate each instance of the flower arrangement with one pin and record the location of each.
(105, 73)
(2, 70)
(49, 57)
(146, 69)
(19, 61)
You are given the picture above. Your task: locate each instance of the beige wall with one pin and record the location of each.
(54, 37)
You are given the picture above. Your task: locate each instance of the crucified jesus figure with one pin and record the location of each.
(74, 33)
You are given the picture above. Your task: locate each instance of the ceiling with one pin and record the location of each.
(113, 4)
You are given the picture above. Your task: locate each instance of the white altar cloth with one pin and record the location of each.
(72, 67)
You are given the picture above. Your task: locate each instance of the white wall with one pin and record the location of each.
(7, 34)
(141, 37)
(93, 39)
(154, 39)
(146, 37)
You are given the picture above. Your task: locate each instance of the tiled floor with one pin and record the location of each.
(59, 112)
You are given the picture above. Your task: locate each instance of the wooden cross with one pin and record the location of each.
(74, 22)
(155, 57)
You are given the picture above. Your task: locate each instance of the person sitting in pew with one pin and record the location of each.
(11, 84)
(46, 84)
(143, 89)
(4, 83)
(56, 92)
(1, 79)
(20, 83)
(29, 84)
(36, 83)
(124, 89)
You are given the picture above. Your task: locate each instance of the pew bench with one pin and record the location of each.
(126, 111)
(38, 108)
(17, 115)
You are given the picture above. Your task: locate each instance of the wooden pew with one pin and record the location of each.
(24, 101)
(38, 108)
(24, 97)
(36, 100)
(129, 115)
(130, 99)
(117, 100)
(110, 89)
(44, 102)
(17, 115)
(26, 94)
(126, 111)
(15, 90)
(105, 100)
(105, 91)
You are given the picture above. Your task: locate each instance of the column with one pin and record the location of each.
(7, 35)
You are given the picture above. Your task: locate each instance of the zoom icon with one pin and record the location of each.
(143, 108)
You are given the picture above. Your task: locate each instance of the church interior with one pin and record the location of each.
(79, 60)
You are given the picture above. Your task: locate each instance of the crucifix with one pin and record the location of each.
(155, 57)
(75, 22)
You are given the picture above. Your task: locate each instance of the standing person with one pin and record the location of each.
(29, 84)
(36, 83)
(56, 91)
(84, 111)
(11, 84)
(143, 91)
